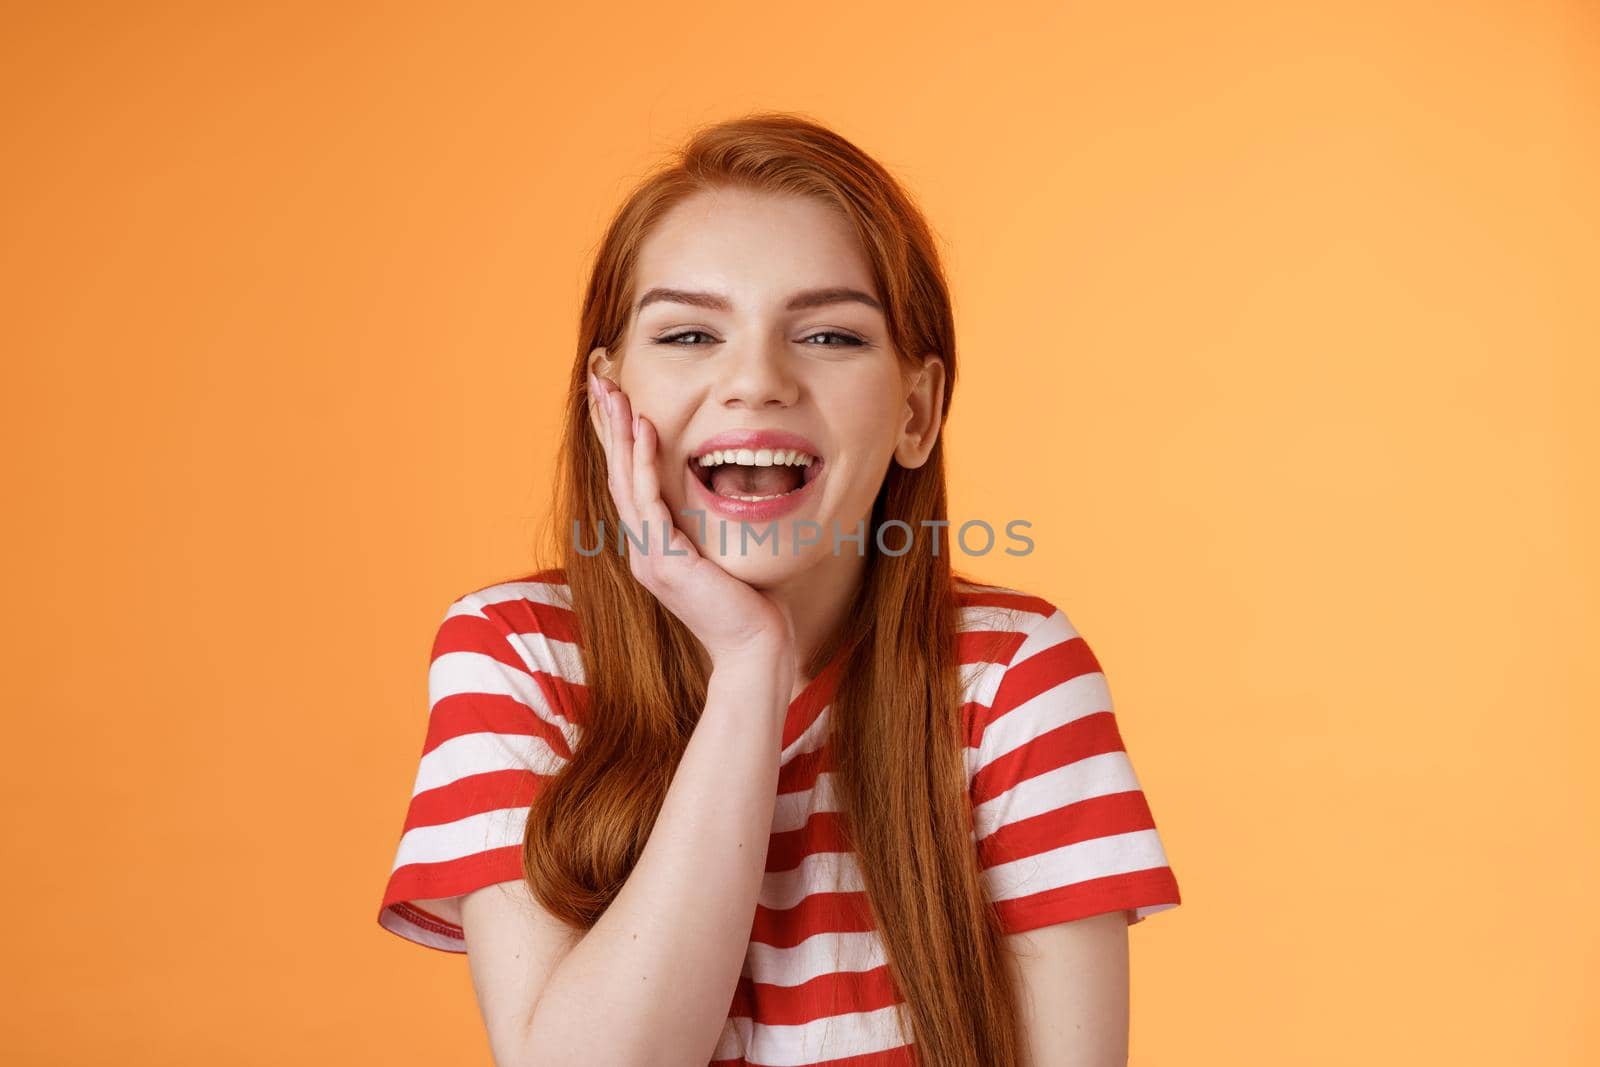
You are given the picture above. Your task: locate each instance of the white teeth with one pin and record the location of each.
(764, 457)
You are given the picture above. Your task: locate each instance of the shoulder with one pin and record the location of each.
(542, 596)
(1005, 625)
(518, 626)
(515, 610)
(1020, 647)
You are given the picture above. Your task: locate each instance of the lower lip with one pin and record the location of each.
(754, 510)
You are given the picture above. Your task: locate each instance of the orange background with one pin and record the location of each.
(1277, 321)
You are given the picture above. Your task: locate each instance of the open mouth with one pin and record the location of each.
(755, 474)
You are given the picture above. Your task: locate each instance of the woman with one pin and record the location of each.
(754, 776)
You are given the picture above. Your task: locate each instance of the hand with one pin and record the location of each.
(730, 618)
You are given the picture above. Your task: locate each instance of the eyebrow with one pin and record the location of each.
(801, 301)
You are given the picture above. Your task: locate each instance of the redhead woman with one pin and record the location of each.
(749, 773)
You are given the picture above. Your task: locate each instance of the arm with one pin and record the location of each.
(1072, 989)
(652, 981)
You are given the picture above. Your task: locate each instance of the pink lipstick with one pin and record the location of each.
(750, 450)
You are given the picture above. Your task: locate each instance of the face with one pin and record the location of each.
(777, 396)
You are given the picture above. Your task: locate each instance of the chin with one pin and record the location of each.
(764, 572)
(758, 566)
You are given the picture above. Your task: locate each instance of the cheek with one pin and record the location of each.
(866, 424)
(649, 388)
(663, 399)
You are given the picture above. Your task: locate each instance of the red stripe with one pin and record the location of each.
(473, 633)
(1090, 735)
(800, 773)
(1043, 670)
(987, 646)
(568, 697)
(458, 714)
(472, 795)
(818, 913)
(824, 831)
(1136, 889)
(973, 717)
(523, 616)
(451, 878)
(1116, 813)
(822, 997)
(991, 598)
(805, 708)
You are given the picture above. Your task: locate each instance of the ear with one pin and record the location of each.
(920, 428)
(601, 364)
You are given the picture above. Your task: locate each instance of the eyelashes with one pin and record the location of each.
(850, 340)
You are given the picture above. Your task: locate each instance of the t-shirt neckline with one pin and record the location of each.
(812, 698)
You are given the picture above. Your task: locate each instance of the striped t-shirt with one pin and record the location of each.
(1062, 827)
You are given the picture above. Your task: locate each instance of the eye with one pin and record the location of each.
(848, 339)
(672, 339)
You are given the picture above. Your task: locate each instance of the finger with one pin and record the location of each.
(622, 429)
(617, 417)
(647, 490)
(592, 396)
(603, 418)
(607, 436)
(602, 421)
(646, 484)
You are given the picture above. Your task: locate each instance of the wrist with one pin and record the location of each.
(749, 643)
(759, 678)
(762, 662)
(761, 658)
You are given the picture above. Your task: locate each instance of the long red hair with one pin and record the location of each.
(896, 724)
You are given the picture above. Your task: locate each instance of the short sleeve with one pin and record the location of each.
(1062, 826)
(498, 727)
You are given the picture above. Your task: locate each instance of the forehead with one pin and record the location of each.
(756, 247)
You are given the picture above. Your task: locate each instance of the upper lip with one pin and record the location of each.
(756, 439)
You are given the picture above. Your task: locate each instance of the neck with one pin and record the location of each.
(815, 601)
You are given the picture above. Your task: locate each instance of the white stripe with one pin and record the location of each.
(980, 690)
(1055, 707)
(1084, 779)
(983, 679)
(977, 618)
(565, 655)
(819, 954)
(1052, 630)
(463, 837)
(555, 594)
(481, 753)
(855, 1033)
(791, 810)
(810, 740)
(455, 673)
(1097, 857)
(820, 872)
(539, 652)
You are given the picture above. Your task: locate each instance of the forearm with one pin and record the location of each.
(651, 981)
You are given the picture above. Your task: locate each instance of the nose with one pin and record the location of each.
(757, 376)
